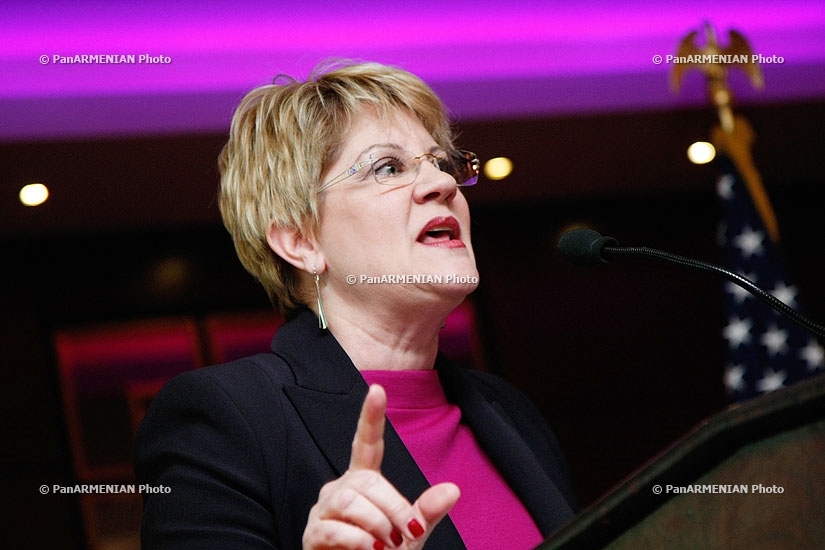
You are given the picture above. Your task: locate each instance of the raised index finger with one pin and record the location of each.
(368, 444)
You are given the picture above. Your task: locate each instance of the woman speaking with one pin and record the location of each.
(354, 432)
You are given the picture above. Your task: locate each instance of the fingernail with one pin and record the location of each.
(396, 537)
(415, 528)
(378, 545)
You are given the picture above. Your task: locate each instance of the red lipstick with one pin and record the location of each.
(441, 232)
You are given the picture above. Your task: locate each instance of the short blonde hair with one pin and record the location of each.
(284, 137)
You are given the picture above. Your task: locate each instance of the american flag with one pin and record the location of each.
(766, 350)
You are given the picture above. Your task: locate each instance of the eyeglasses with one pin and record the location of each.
(397, 167)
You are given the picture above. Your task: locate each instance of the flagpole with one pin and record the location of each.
(734, 134)
(736, 143)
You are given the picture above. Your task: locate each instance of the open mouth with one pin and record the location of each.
(441, 231)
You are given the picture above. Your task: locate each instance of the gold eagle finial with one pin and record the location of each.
(715, 61)
(733, 139)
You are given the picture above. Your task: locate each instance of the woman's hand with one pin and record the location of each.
(361, 509)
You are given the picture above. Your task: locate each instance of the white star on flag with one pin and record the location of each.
(739, 294)
(814, 355)
(776, 340)
(750, 242)
(738, 331)
(785, 293)
(724, 187)
(771, 381)
(734, 377)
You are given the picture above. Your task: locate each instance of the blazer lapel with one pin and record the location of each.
(511, 455)
(328, 390)
(328, 394)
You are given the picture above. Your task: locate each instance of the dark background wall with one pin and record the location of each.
(622, 359)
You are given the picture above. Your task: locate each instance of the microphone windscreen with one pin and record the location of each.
(583, 246)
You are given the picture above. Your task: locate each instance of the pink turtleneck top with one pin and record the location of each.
(488, 514)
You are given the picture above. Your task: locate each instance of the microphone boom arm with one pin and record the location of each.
(777, 304)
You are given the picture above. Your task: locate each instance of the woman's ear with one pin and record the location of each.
(296, 248)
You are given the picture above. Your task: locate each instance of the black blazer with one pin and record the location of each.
(237, 453)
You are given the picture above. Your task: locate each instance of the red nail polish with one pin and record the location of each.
(396, 537)
(378, 545)
(415, 528)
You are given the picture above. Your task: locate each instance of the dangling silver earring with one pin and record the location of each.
(322, 319)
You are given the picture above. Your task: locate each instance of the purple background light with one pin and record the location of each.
(487, 61)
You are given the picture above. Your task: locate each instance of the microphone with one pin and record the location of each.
(585, 246)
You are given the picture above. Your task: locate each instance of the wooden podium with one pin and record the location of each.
(752, 477)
